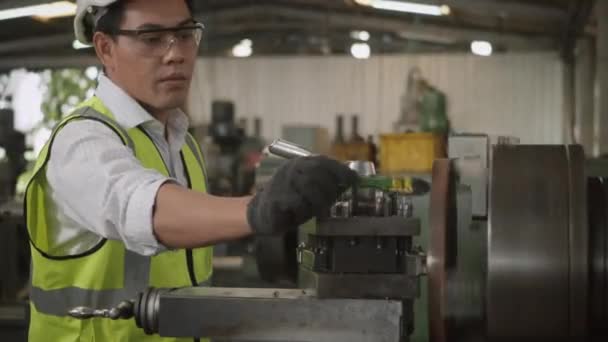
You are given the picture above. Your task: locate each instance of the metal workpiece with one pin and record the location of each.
(371, 202)
(403, 206)
(368, 199)
(362, 167)
(270, 315)
(537, 245)
(287, 150)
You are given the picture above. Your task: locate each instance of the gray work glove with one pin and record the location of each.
(301, 189)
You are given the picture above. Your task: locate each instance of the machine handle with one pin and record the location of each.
(124, 310)
(289, 150)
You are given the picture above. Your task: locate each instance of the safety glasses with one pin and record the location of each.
(157, 42)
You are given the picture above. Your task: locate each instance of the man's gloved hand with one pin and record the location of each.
(301, 189)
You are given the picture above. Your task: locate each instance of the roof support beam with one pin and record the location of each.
(430, 32)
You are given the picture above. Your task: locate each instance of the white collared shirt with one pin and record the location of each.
(96, 186)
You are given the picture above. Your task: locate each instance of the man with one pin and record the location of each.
(118, 202)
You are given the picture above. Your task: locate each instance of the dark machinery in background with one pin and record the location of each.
(14, 247)
(13, 144)
(231, 160)
(355, 147)
(232, 170)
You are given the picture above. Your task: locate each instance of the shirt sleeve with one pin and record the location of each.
(99, 184)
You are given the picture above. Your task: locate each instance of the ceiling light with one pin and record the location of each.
(45, 11)
(481, 48)
(243, 49)
(92, 72)
(361, 50)
(408, 7)
(360, 35)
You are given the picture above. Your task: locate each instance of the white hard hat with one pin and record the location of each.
(84, 9)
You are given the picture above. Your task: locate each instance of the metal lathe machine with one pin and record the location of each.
(516, 253)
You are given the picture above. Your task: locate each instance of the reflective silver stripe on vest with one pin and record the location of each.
(59, 302)
(89, 112)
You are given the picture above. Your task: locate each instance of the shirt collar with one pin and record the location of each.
(130, 114)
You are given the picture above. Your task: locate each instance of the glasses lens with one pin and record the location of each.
(157, 43)
(152, 40)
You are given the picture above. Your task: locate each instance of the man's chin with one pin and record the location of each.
(164, 105)
(172, 102)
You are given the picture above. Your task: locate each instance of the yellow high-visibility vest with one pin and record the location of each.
(108, 273)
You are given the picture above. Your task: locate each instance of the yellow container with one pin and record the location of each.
(410, 152)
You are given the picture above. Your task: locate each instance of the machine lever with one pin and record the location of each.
(124, 310)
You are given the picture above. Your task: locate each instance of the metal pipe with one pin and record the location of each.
(288, 150)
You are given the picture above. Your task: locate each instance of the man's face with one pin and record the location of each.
(159, 78)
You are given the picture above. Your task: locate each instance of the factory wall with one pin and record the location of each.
(508, 94)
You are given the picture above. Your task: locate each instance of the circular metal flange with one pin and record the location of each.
(146, 309)
(537, 245)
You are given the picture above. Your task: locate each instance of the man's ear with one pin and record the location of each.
(105, 50)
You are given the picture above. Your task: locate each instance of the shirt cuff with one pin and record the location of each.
(139, 233)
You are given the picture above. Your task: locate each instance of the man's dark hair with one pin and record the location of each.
(111, 20)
